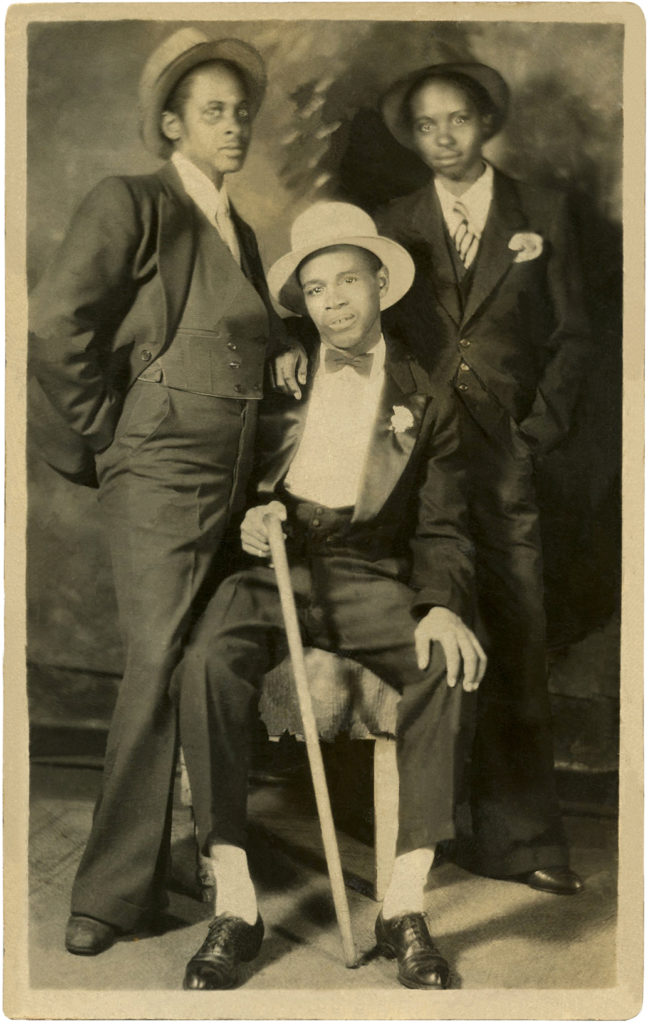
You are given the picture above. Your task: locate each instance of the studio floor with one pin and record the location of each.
(496, 934)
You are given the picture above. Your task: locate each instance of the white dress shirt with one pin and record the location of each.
(329, 463)
(213, 202)
(476, 200)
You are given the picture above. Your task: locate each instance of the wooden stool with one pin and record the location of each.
(346, 698)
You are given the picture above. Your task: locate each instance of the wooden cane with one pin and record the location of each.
(278, 551)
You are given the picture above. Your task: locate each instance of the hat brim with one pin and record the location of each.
(490, 80)
(286, 290)
(154, 95)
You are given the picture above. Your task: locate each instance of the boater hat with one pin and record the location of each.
(178, 54)
(324, 225)
(487, 81)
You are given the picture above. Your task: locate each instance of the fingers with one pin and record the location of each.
(453, 660)
(302, 368)
(474, 661)
(285, 366)
(254, 533)
(422, 645)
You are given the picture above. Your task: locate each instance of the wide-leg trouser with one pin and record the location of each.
(346, 605)
(168, 482)
(516, 824)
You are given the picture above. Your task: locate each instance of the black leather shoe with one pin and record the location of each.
(420, 965)
(230, 941)
(86, 936)
(561, 881)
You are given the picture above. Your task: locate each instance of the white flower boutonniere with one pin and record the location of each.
(402, 419)
(526, 245)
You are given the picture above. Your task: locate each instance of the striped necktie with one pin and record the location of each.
(465, 241)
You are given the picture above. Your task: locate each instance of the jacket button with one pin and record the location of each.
(256, 387)
(463, 387)
(238, 387)
(231, 345)
(317, 522)
(235, 365)
(319, 511)
(465, 342)
(464, 366)
(145, 355)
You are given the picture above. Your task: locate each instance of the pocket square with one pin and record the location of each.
(526, 245)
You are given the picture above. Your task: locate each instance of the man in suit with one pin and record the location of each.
(497, 311)
(149, 333)
(366, 474)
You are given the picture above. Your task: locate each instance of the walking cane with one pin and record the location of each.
(278, 551)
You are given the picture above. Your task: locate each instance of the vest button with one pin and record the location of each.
(256, 387)
(232, 346)
(464, 366)
(317, 522)
(463, 387)
(145, 355)
(319, 511)
(465, 343)
(235, 365)
(238, 387)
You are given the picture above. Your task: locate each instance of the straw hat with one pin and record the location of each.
(178, 54)
(392, 104)
(326, 224)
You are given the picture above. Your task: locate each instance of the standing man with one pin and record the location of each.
(367, 475)
(150, 331)
(497, 310)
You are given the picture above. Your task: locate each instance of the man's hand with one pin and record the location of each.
(465, 658)
(254, 535)
(290, 370)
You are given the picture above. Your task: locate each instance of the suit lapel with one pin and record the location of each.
(505, 217)
(428, 222)
(389, 448)
(176, 247)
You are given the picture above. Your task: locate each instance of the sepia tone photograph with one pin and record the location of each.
(321, 311)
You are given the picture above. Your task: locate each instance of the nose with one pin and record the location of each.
(445, 136)
(333, 299)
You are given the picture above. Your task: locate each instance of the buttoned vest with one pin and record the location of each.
(219, 347)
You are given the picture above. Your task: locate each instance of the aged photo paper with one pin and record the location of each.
(567, 120)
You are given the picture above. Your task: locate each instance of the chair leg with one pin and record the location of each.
(385, 811)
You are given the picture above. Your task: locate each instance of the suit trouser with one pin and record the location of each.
(516, 822)
(345, 605)
(167, 484)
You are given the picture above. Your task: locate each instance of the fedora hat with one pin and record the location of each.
(178, 54)
(327, 224)
(487, 80)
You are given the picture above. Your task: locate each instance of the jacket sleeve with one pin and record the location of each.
(569, 343)
(78, 305)
(443, 553)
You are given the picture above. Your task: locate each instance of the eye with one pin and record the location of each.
(461, 119)
(313, 289)
(243, 114)
(425, 127)
(213, 113)
(350, 279)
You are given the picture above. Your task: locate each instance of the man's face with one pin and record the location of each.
(342, 289)
(447, 130)
(213, 130)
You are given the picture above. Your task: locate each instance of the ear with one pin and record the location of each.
(382, 276)
(171, 126)
(487, 125)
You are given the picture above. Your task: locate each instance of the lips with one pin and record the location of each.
(341, 322)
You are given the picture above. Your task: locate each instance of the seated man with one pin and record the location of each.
(366, 474)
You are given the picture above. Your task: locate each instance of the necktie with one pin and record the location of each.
(334, 361)
(226, 230)
(465, 241)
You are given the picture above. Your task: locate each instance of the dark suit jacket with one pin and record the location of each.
(113, 293)
(522, 329)
(411, 508)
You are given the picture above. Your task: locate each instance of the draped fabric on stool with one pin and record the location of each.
(346, 698)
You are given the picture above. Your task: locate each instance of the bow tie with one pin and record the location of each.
(334, 361)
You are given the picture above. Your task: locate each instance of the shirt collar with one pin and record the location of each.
(199, 188)
(476, 200)
(379, 353)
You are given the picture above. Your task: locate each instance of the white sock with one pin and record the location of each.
(405, 892)
(234, 889)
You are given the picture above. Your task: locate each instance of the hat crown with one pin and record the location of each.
(325, 224)
(169, 50)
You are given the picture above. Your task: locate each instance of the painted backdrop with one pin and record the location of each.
(318, 136)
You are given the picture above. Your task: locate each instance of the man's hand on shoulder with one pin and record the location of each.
(465, 658)
(254, 534)
(290, 369)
